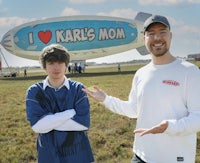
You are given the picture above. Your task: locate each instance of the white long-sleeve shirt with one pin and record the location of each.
(164, 92)
(59, 121)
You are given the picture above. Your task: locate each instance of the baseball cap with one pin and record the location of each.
(156, 19)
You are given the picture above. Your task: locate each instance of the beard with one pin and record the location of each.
(158, 51)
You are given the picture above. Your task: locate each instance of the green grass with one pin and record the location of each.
(111, 135)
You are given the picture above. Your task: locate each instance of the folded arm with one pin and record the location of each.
(60, 121)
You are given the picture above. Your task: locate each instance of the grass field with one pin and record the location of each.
(111, 135)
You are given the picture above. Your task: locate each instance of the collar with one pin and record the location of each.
(46, 83)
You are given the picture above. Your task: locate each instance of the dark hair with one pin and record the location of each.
(54, 53)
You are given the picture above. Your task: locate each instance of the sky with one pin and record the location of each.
(183, 16)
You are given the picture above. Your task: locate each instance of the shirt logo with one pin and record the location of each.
(171, 82)
(180, 159)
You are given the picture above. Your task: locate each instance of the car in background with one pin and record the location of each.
(8, 74)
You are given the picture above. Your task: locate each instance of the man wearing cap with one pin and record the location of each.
(165, 100)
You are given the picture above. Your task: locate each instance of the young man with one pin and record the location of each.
(59, 111)
(165, 100)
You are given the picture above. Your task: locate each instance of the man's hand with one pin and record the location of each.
(95, 93)
(160, 128)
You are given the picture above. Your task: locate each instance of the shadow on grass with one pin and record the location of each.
(85, 74)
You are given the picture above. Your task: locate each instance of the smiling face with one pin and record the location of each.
(157, 39)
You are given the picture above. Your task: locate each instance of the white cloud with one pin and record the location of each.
(70, 11)
(125, 13)
(166, 2)
(86, 1)
(181, 29)
(189, 31)
(193, 1)
(186, 37)
(7, 22)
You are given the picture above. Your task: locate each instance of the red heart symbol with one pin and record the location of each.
(45, 37)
